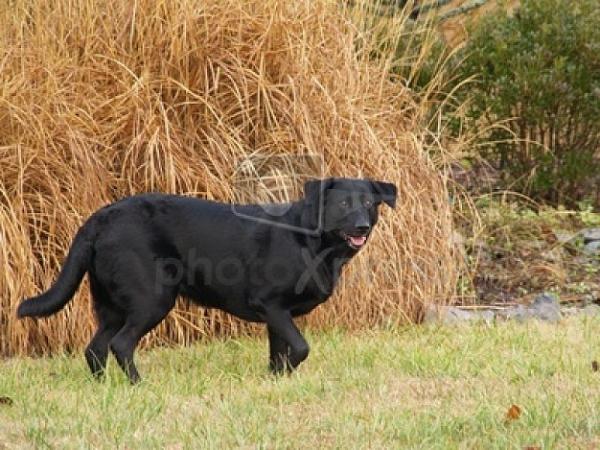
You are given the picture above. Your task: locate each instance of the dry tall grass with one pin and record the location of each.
(102, 99)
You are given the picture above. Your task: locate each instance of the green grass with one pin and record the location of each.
(413, 387)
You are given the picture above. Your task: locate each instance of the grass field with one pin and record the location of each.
(413, 387)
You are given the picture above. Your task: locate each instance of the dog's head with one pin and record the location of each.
(346, 209)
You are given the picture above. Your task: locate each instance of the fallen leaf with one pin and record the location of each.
(6, 401)
(513, 413)
(532, 447)
(595, 366)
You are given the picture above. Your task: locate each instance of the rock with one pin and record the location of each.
(518, 313)
(456, 315)
(445, 315)
(592, 248)
(590, 235)
(545, 307)
(590, 310)
(564, 237)
(487, 316)
(452, 315)
(431, 315)
(571, 311)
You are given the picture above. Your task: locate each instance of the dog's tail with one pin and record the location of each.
(72, 272)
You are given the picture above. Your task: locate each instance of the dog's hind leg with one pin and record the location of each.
(96, 352)
(110, 321)
(136, 326)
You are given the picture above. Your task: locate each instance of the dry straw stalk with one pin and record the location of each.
(102, 99)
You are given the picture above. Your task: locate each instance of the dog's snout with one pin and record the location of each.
(362, 225)
(363, 229)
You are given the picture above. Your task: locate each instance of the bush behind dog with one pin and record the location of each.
(104, 99)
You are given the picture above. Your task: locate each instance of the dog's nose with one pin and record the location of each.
(362, 228)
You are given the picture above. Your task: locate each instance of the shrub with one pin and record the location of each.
(539, 72)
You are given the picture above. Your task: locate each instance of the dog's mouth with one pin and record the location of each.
(354, 242)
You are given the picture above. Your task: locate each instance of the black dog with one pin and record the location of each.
(262, 263)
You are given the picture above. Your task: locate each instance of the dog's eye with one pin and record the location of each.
(344, 204)
(367, 203)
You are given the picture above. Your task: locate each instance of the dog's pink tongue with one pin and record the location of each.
(358, 241)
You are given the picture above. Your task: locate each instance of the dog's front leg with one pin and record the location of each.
(287, 346)
(279, 352)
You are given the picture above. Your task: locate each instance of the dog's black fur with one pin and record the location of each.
(260, 263)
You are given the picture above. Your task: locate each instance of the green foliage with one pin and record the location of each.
(421, 57)
(538, 72)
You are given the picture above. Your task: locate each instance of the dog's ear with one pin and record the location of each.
(315, 189)
(314, 199)
(387, 192)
